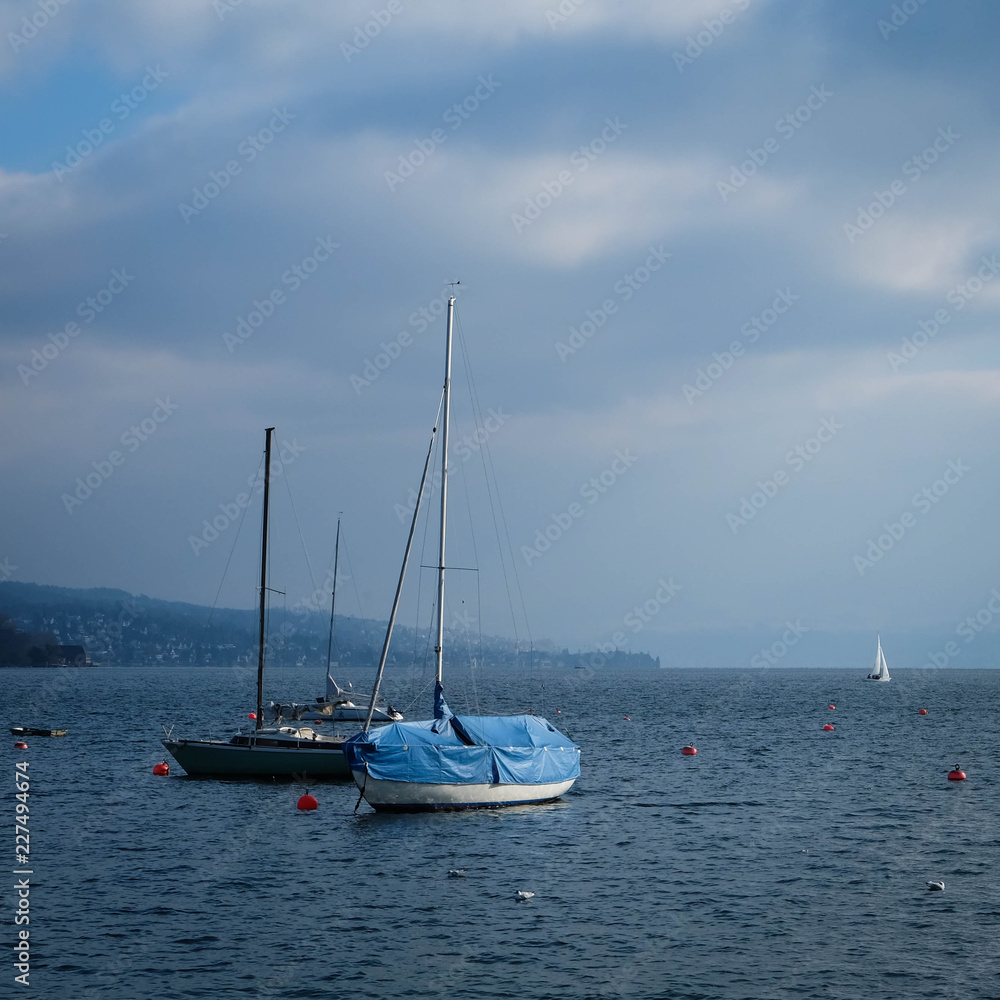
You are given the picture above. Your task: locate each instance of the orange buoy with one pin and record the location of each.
(690, 750)
(956, 774)
(252, 715)
(307, 802)
(20, 745)
(922, 711)
(831, 707)
(828, 728)
(162, 768)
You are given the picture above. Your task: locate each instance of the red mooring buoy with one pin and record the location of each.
(828, 728)
(690, 750)
(956, 774)
(831, 707)
(252, 715)
(307, 802)
(162, 768)
(20, 745)
(922, 711)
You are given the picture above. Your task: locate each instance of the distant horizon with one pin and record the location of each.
(702, 642)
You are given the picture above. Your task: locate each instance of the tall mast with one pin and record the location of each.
(333, 598)
(438, 649)
(263, 578)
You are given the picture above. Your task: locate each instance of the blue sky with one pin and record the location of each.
(746, 139)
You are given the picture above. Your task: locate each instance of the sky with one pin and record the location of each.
(730, 280)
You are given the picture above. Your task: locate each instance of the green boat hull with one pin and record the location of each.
(208, 758)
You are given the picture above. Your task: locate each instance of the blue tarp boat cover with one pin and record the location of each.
(467, 750)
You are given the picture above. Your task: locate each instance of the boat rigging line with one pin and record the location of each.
(402, 575)
(225, 572)
(486, 457)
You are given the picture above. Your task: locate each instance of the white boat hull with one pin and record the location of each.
(412, 796)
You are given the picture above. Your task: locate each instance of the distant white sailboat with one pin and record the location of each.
(880, 672)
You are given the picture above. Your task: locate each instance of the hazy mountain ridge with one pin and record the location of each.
(119, 628)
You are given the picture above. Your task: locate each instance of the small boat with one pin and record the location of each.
(880, 672)
(456, 761)
(31, 731)
(269, 751)
(339, 705)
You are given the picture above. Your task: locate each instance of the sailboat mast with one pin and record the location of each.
(333, 598)
(438, 649)
(263, 578)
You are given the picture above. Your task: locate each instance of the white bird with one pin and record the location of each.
(456, 872)
(522, 895)
(936, 885)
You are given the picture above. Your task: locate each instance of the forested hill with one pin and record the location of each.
(118, 628)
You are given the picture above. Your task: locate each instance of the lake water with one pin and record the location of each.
(781, 862)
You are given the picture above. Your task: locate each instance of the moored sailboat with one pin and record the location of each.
(339, 705)
(456, 761)
(269, 751)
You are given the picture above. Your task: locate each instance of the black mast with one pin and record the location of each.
(263, 578)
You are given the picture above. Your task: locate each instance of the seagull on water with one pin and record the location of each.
(939, 886)
(521, 895)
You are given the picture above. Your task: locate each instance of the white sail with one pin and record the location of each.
(883, 674)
